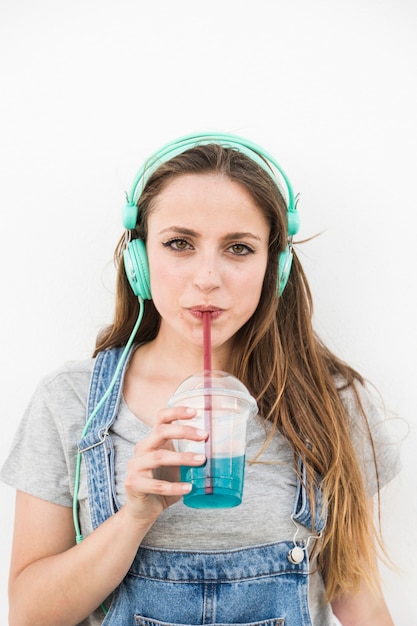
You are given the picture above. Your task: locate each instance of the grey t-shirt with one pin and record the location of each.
(42, 463)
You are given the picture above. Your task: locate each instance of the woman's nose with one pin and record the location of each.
(207, 274)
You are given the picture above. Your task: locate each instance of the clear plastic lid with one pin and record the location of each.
(214, 383)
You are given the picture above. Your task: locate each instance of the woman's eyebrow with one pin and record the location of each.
(242, 235)
(182, 230)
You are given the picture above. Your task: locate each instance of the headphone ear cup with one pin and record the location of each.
(284, 268)
(137, 269)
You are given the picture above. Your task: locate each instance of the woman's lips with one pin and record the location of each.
(197, 311)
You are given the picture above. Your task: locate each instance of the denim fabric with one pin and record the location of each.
(249, 586)
(96, 445)
(302, 511)
(255, 585)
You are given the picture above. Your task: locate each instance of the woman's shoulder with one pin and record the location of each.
(72, 373)
(361, 400)
(375, 433)
(79, 371)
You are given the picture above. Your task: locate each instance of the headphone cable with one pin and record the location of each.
(78, 534)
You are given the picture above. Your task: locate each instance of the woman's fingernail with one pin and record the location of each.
(199, 457)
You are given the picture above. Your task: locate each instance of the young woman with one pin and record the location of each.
(209, 226)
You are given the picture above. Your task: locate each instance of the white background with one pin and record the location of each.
(90, 87)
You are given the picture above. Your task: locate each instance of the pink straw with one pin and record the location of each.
(208, 484)
(207, 342)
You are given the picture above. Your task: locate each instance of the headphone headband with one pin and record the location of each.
(172, 149)
(135, 257)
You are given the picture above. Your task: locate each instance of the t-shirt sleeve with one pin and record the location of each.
(375, 438)
(42, 457)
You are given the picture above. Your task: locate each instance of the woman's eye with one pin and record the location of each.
(241, 249)
(177, 244)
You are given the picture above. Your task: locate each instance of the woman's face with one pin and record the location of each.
(207, 247)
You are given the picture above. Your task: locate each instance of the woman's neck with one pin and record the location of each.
(172, 359)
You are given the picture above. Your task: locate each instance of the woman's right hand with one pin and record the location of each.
(152, 482)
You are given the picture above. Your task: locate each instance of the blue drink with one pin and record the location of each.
(216, 484)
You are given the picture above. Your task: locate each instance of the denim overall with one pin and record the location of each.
(255, 586)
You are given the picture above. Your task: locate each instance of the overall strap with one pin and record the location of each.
(96, 445)
(303, 514)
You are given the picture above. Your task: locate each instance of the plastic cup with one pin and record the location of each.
(223, 406)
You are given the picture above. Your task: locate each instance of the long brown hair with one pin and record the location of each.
(279, 357)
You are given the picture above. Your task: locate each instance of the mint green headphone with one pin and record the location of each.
(135, 257)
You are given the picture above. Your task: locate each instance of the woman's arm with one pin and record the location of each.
(362, 609)
(55, 582)
(366, 608)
